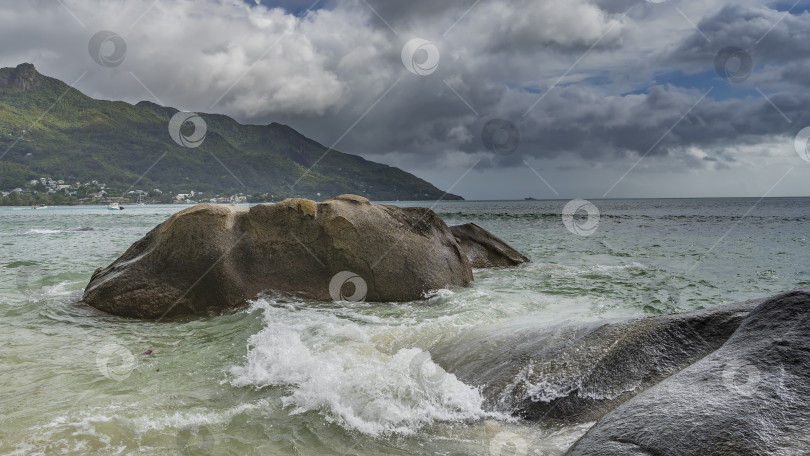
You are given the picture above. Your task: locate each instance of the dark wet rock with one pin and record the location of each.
(580, 372)
(750, 397)
(208, 258)
(485, 250)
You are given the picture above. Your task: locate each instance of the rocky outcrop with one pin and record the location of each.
(483, 249)
(750, 397)
(209, 257)
(580, 372)
(23, 77)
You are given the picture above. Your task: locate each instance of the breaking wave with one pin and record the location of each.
(331, 366)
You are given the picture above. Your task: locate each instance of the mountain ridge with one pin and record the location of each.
(49, 129)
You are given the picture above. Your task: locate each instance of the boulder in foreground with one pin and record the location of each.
(579, 372)
(208, 258)
(750, 397)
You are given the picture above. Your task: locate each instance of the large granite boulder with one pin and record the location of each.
(485, 250)
(210, 257)
(750, 397)
(579, 372)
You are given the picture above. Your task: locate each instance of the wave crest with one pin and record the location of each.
(330, 366)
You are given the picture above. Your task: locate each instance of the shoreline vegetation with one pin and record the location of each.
(42, 199)
(260, 199)
(115, 146)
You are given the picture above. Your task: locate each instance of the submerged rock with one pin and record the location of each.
(485, 250)
(750, 397)
(210, 257)
(580, 372)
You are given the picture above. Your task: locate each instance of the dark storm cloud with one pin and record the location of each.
(789, 76)
(770, 36)
(584, 122)
(619, 6)
(593, 123)
(409, 13)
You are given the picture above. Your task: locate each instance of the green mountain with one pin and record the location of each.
(48, 129)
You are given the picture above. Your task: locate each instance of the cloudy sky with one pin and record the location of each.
(489, 98)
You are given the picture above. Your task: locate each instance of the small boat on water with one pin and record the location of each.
(115, 207)
(39, 206)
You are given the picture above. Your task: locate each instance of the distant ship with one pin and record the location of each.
(530, 199)
(39, 206)
(115, 207)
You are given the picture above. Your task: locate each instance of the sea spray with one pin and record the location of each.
(330, 366)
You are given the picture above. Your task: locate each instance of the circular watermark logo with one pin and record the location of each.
(661, 296)
(195, 138)
(508, 443)
(733, 64)
(741, 377)
(500, 136)
(196, 440)
(420, 57)
(800, 143)
(107, 48)
(115, 362)
(425, 371)
(574, 223)
(338, 282)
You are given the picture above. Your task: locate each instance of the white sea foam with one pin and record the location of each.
(181, 420)
(35, 231)
(79, 229)
(59, 289)
(617, 267)
(331, 366)
(93, 427)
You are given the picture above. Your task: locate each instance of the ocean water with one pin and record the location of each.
(286, 376)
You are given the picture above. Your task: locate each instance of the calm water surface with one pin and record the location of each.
(286, 376)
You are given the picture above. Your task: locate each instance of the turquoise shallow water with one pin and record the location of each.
(287, 376)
